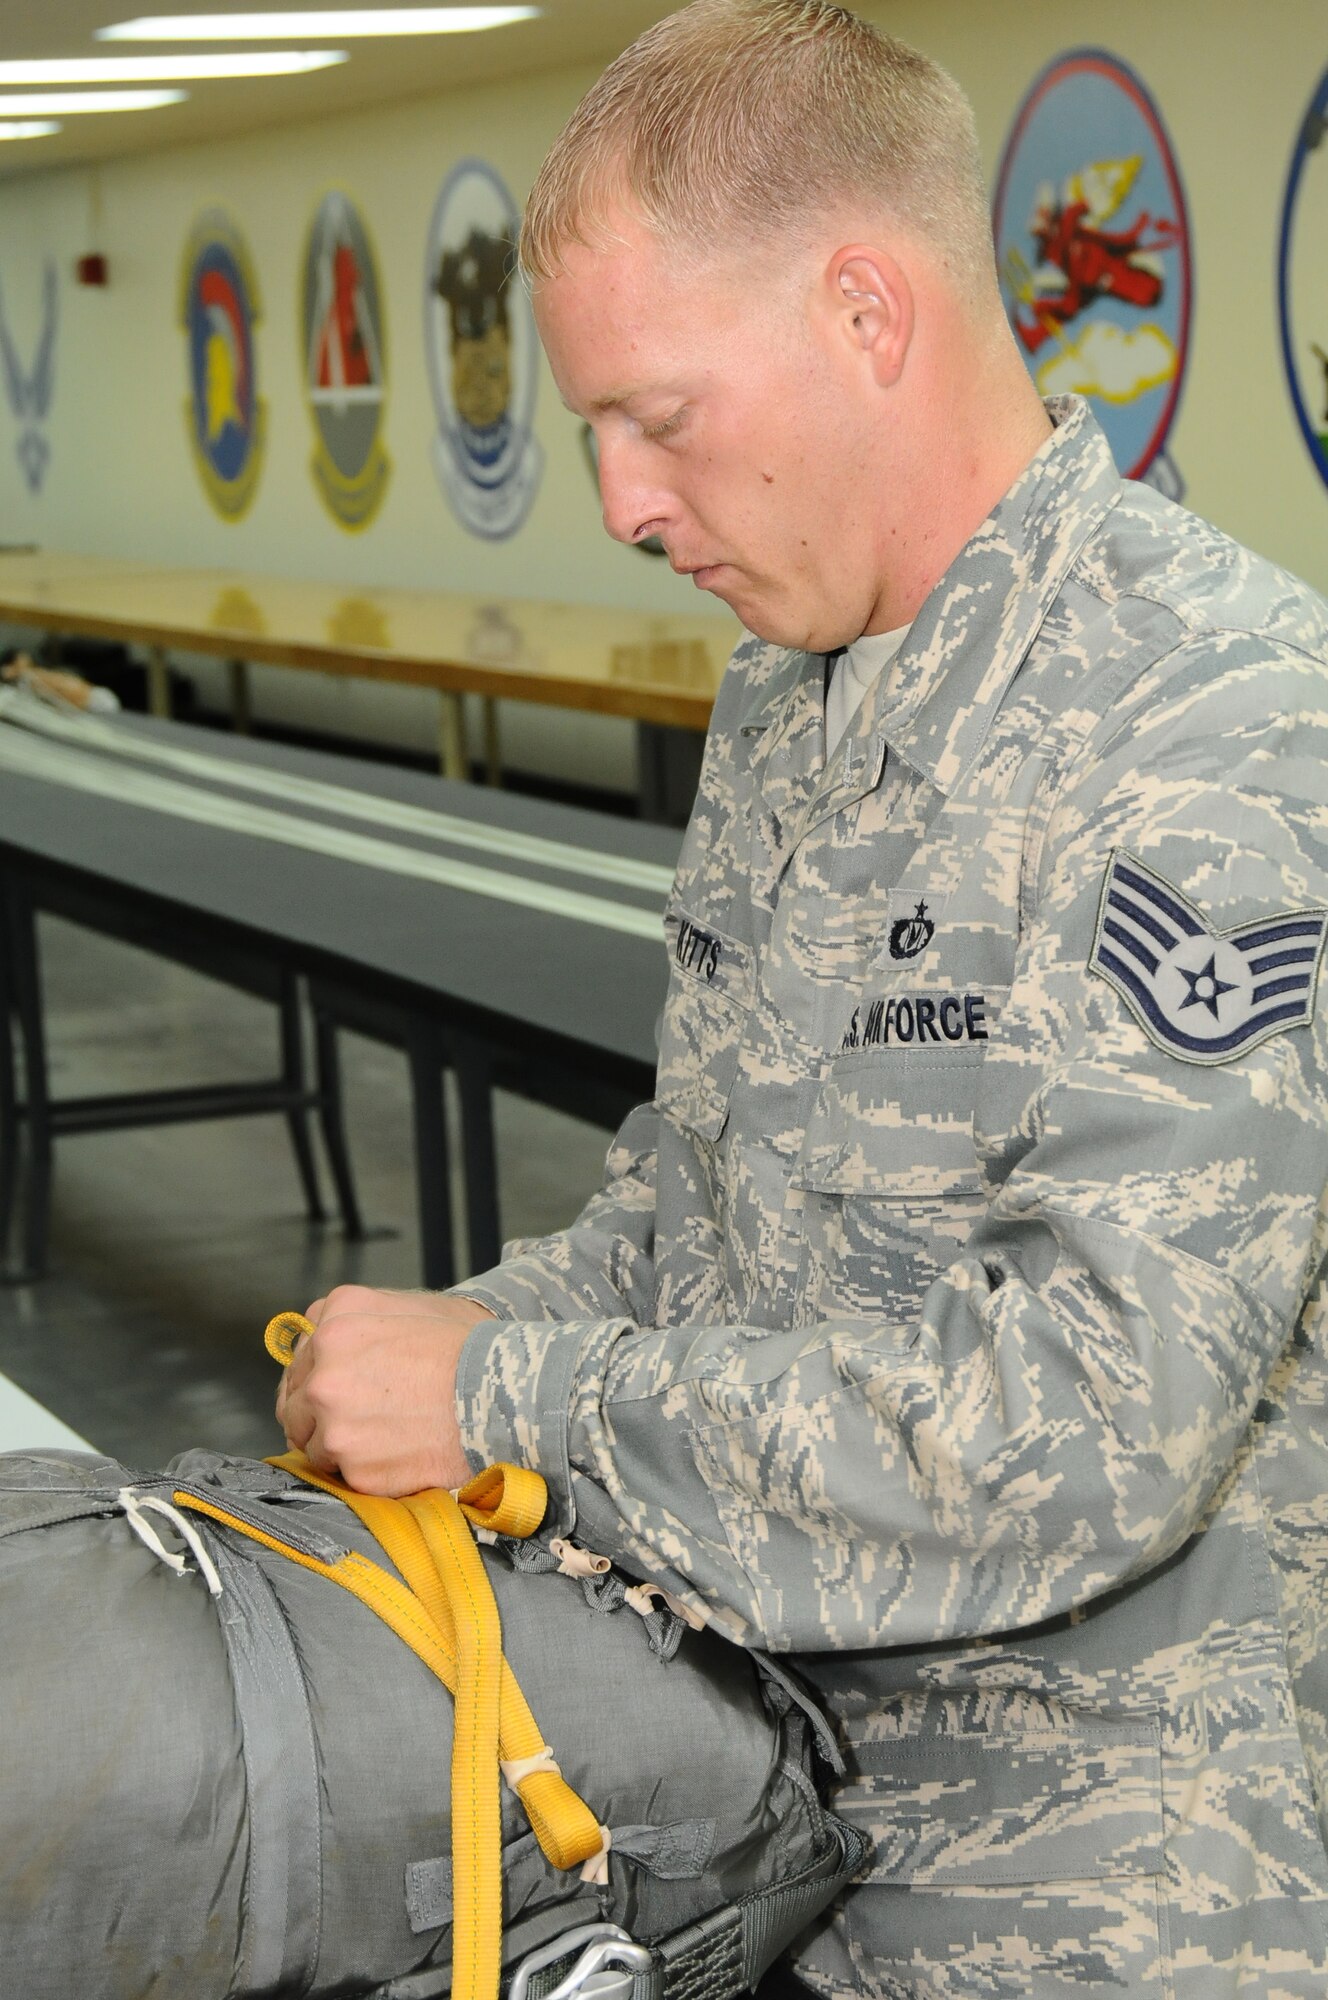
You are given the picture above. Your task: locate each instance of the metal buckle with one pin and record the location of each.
(606, 1969)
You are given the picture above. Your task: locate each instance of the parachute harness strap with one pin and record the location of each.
(441, 1605)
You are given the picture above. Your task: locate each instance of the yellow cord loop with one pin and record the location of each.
(282, 1335)
(442, 1606)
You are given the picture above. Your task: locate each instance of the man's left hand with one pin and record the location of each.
(370, 1396)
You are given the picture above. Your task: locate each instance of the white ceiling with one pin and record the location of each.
(569, 31)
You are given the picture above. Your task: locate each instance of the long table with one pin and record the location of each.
(656, 668)
(510, 940)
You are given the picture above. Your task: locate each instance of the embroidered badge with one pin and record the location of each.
(912, 918)
(1206, 996)
(911, 935)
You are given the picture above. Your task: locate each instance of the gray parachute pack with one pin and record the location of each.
(224, 1778)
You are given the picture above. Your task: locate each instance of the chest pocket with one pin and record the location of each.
(705, 1019)
(890, 1179)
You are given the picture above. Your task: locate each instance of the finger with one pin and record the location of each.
(314, 1312)
(300, 1367)
(318, 1455)
(296, 1417)
(299, 1424)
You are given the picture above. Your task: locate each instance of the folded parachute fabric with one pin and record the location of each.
(226, 1777)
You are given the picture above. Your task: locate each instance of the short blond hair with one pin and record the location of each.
(742, 119)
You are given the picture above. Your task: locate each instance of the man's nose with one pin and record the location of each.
(633, 505)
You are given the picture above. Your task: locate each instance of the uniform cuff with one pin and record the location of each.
(519, 1388)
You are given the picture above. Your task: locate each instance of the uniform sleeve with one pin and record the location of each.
(604, 1263)
(1078, 1384)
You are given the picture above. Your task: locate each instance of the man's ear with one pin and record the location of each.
(872, 302)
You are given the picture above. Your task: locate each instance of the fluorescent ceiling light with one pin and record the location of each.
(166, 69)
(27, 128)
(61, 101)
(315, 25)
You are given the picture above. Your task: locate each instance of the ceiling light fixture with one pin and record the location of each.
(53, 102)
(313, 24)
(166, 69)
(27, 128)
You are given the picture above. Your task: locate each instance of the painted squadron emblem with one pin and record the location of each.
(479, 337)
(30, 390)
(910, 936)
(1203, 995)
(225, 415)
(343, 350)
(1093, 242)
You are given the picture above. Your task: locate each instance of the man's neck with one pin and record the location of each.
(964, 468)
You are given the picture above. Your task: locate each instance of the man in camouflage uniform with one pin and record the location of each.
(953, 1318)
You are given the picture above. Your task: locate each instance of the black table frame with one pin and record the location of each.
(482, 1048)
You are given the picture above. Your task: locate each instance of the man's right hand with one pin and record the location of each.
(369, 1397)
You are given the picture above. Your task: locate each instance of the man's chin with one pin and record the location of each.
(773, 624)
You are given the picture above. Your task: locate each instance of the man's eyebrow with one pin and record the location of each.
(599, 405)
(614, 401)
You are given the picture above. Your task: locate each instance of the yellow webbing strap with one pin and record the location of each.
(510, 1500)
(444, 1610)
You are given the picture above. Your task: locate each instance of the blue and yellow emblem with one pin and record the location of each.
(225, 415)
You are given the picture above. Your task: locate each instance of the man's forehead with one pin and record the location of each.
(617, 331)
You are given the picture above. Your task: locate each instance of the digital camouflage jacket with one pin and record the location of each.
(953, 1320)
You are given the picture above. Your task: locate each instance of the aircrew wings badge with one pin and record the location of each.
(1206, 996)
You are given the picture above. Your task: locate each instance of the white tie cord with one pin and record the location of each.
(136, 1507)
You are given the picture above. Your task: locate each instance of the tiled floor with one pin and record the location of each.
(172, 1247)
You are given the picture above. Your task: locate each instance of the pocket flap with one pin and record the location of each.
(894, 1122)
(1055, 1805)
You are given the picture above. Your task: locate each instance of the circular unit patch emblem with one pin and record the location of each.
(479, 336)
(1302, 284)
(225, 416)
(1093, 246)
(344, 361)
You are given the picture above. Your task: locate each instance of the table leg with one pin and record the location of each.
(425, 1057)
(493, 745)
(292, 1075)
(668, 764)
(237, 672)
(9, 1106)
(478, 1156)
(25, 990)
(332, 1117)
(451, 736)
(159, 682)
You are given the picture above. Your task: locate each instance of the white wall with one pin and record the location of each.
(1231, 80)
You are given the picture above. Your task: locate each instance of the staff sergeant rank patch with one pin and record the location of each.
(1206, 996)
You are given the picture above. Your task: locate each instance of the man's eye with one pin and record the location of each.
(666, 429)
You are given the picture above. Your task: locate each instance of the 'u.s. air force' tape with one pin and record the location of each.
(1206, 996)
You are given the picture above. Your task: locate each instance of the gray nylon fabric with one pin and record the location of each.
(283, 1902)
(249, 1794)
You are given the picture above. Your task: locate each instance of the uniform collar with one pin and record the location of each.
(967, 643)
